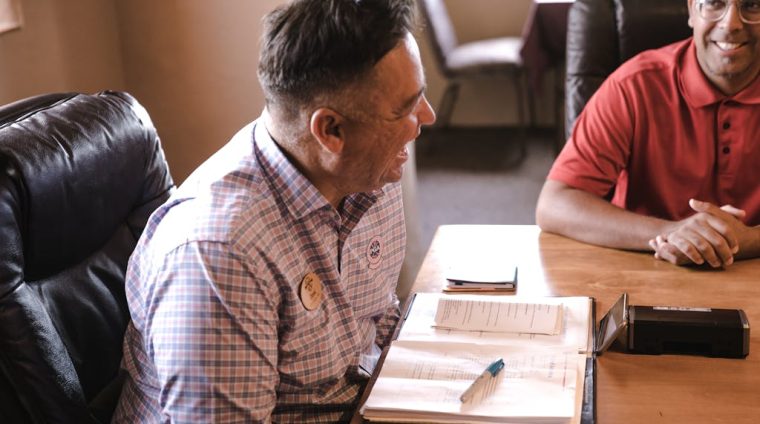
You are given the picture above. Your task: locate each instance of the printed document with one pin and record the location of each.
(428, 367)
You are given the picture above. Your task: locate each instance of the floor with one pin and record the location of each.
(480, 176)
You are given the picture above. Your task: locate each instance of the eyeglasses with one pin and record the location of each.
(715, 10)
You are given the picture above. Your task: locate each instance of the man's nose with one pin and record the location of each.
(732, 18)
(427, 114)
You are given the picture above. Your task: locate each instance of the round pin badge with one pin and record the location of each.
(310, 291)
(375, 251)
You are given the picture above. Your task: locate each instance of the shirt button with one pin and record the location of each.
(726, 125)
(726, 150)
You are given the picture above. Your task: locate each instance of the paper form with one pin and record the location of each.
(494, 316)
(425, 377)
(575, 335)
(428, 368)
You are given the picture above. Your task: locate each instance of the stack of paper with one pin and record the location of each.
(486, 314)
(443, 347)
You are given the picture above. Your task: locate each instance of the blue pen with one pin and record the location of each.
(483, 379)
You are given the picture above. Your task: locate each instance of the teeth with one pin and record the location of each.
(727, 46)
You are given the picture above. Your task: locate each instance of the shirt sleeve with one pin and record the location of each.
(600, 144)
(386, 325)
(212, 334)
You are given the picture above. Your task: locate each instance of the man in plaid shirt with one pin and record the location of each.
(263, 290)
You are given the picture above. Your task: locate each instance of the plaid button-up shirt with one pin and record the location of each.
(220, 331)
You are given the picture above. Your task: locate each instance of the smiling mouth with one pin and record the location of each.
(726, 47)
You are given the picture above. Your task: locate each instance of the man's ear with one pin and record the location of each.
(690, 5)
(328, 128)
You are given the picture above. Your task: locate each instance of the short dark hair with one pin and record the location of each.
(315, 47)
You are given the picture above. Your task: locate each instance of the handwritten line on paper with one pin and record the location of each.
(495, 316)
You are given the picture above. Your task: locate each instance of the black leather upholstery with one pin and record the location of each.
(79, 176)
(602, 34)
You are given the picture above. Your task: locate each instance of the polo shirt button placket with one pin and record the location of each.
(726, 148)
(724, 161)
(724, 137)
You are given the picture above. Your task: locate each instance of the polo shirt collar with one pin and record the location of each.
(297, 193)
(699, 91)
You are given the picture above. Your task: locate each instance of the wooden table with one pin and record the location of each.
(630, 388)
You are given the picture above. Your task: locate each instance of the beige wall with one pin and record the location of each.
(192, 63)
(197, 76)
(63, 46)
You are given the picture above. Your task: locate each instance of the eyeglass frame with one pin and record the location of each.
(698, 4)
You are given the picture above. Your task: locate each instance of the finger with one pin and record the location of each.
(669, 253)
(736, 212)
(685, 241)
(712, 247)
(721, 235)
(711, 209)
(718, 220)
(701, 206)
(713, 241)
(653, 245)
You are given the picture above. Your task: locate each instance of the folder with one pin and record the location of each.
(428, 349)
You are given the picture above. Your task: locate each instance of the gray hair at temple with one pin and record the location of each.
(316, 48)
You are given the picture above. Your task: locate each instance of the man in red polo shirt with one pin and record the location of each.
(674, 136)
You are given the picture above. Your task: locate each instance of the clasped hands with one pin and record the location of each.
(713, 235)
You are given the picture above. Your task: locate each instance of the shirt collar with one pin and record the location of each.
(699, 91)
(297, 193)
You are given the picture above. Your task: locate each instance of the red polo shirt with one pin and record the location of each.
(660, 133)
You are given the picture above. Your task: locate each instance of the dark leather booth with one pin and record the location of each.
(602, 34)
(79, 176)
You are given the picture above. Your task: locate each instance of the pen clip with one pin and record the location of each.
(495, 367)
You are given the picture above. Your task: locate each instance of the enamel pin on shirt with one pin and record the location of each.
(375, 252)
(310, 291)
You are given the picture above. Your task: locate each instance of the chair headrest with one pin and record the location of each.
(61, 156)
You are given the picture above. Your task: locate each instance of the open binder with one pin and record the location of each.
(426, 396)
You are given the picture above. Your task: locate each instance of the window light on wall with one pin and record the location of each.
(10, 15)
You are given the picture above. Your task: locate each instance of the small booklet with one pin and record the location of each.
(491, 274)
(429, 366)
(474, 288)
(481, 278)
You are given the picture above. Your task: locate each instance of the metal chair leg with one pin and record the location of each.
(520, 94)
(446, 107)
(516, 80)
(559, 108)
(531, 100)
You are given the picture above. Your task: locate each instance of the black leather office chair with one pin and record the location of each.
(467, 61)
(79, 176)
(602, 34)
